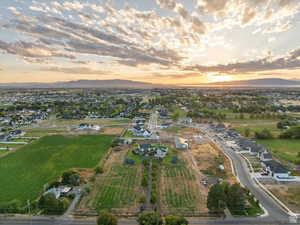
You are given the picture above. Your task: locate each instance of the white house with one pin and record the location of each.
(276, 170)
(59, 191)
(265, 156)
(86, 126)
(16, 133)
(140, 131)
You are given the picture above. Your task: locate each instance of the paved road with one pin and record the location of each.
(275, 212)
(68, 221)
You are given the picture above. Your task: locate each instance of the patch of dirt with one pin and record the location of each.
(288, 193)
(86, 174)
(112, 130)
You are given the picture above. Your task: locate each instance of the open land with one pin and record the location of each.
(27, 170)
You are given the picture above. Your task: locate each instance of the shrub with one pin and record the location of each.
(71, 178)
(106, 218)
(149, 218)
(99, 170)
(264, 134)
(52, 206)
(176, 220)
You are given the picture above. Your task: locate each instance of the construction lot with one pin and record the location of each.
(288, 193)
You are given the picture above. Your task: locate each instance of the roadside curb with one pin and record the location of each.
(290, 212)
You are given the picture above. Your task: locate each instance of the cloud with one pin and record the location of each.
(288, 62)
(167, 4)
(249, 14)
(278, 28)
(32, 50)
(76, 70)
(72, 38)
(212, 5)
(14, 10)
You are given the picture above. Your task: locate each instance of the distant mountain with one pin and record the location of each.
(276, 82)
(84, 84)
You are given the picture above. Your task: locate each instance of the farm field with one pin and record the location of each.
(284, 149)
(119, 187)
(180, 197)
(26, 171)
(68, 123)
(40, 132)
(255, 126)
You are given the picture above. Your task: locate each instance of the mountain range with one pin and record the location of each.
(272, 82)
(84, 84)
(117, 83)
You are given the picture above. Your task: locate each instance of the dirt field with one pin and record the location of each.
(288, 193)
(208, 158)
(112, 130)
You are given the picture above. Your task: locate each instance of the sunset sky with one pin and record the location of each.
(159, 41)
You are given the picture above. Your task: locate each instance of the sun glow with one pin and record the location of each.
(216, 77)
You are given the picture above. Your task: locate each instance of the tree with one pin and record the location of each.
(247, 132)
(149, 218)
(106, 218)
(293, 133)
(236, 198)
(216, 198)
(50, 205)
(176, 220)
(264, 134)
(71, 178)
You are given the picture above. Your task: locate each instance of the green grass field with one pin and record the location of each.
(255, 125)
(24, 173)
(285, 149)
(118, 188)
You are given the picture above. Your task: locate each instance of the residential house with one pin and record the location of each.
(140, 131)
(165, 125)
(185, 120)
(16, 133)
(86, 126)
(276, 170)
(265, 156)
(157, 151)
(60, 191)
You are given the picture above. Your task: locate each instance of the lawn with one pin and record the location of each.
(285, 149)
(118, 188)
(24, 173)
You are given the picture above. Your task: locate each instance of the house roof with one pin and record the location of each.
(267, 155)
(276, 167)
